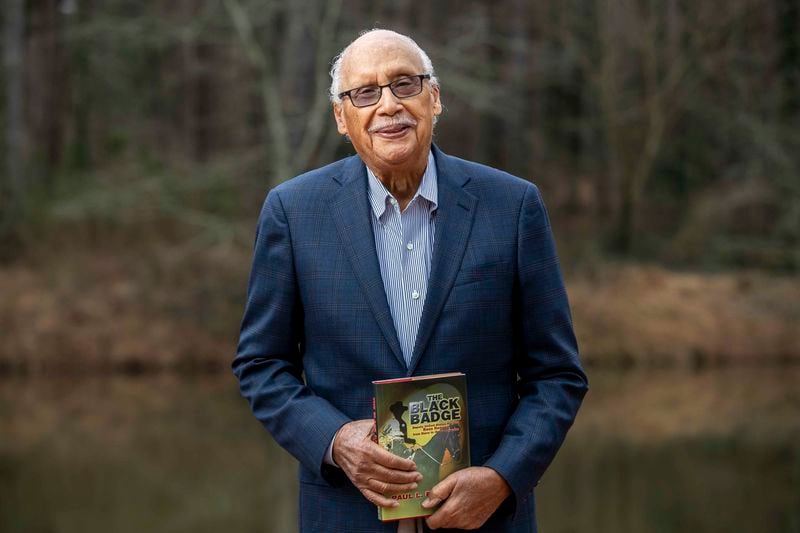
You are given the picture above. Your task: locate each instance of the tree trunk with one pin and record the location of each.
(789, 56)
(47, 92)
(623, 236)
(81, 148)
(14, 46)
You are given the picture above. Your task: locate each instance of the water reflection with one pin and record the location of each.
(650, 452)
(675, 452)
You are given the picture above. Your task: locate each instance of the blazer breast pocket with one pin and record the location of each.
(470, 274)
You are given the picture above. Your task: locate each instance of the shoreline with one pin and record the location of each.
(147, 314)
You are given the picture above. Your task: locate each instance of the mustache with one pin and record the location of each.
(392, 122)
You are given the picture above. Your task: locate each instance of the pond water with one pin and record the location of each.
(658, 451)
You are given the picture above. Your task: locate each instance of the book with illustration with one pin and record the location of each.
(423, 418)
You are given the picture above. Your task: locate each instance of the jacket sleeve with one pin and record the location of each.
(551, 383)
(269, 362)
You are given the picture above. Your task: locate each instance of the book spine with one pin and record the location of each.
(375, 417)
(375, 431)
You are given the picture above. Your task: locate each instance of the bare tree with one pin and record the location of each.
(638, 75)
(47, 88)
(14, 49)
(295, 134)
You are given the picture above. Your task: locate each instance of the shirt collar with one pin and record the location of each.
(379, 196)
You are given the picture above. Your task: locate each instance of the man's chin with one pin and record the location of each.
(394, 152)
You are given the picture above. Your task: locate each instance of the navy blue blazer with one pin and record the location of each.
(317, 330)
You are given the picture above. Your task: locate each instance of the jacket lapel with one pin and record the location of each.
(351, 215)
(454, 216)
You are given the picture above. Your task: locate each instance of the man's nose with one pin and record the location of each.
(388, 103)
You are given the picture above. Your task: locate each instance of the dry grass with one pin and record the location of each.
(167, 308)
(126, 312)
(634, 314)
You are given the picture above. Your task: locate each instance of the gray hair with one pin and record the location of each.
(336, 68)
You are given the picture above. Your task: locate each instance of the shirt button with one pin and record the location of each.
(410, 246)
(415, 295)
(393, 202)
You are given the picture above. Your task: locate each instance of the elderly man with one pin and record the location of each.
(405, 261)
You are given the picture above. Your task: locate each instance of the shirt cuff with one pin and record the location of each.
(329, 452)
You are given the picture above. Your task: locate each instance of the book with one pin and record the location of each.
(425, 419)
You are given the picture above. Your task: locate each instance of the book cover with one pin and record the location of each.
(423, 418)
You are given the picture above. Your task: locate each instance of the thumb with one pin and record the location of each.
(440, 492)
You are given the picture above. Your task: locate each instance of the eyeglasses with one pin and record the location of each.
(401, 88)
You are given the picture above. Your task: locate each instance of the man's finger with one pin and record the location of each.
(442, 517)
(395, 476)
(382, 487)
(440, 492)
(389, 460)
(378, 499)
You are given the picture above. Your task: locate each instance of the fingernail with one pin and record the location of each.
(413, 485)
(419, 477)
(431, 502)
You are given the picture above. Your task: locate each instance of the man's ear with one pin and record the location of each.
(437, 103)
(341, 125)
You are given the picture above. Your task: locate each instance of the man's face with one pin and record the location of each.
(394, 134)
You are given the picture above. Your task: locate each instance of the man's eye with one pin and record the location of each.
(365, 92)
(401, 84)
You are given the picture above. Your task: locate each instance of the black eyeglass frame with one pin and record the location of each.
(389, 85)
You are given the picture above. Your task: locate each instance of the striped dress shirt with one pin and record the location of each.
(404, 243)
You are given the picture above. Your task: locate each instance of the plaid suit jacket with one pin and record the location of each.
(317, 330)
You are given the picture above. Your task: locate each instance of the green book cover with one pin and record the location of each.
(423, 418)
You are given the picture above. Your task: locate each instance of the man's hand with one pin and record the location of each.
(373, 470)
(470, 497)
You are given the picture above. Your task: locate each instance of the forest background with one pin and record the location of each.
(140, 139)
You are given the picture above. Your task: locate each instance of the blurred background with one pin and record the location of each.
(140, 139)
